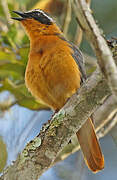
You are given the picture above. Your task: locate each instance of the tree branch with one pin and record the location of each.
(39, 154)
(104, 120)
(93, 34)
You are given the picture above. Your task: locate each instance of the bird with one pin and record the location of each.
(54, 72)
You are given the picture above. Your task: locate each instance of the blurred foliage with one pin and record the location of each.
(3, 154)
(14, 47)
(54, 7)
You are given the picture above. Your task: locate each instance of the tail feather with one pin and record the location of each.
(90, 146)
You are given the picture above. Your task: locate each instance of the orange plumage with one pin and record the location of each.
(54, 72)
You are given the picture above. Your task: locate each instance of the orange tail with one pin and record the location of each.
(90, 146)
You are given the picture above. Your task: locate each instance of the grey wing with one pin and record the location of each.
(78, 57)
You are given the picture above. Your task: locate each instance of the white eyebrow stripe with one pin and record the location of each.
(40, 11)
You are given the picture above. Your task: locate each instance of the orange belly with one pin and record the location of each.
(56, 82)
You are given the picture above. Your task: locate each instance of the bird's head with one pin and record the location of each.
(37, 22)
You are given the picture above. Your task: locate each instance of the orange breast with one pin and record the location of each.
(52, 74)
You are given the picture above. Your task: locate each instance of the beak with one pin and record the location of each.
(23, 16)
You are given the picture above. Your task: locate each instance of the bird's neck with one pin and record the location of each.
(43, 36)
(38, 30)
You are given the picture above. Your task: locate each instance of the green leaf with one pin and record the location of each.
(1, 10)
(23, 52)
(23, 97)
(7, 56)
(17, 90)
(32, 104)
(25, 40)
(12, 70)
(22, 2)
(12, 33)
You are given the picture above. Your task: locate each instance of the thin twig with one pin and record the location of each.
(105, 130)
(6, 105)
(3, 27)
(6, 12)
(67, 18)
(78, 36)
(79, 32)
(88, 1)
(105, 113)
(113, 133)
(90, 60)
